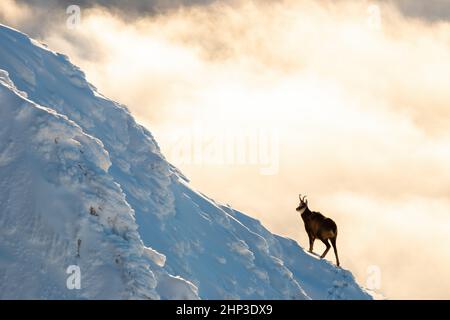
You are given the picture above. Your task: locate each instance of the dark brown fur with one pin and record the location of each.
(318, 226)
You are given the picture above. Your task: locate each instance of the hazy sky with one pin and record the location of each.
(346, 101)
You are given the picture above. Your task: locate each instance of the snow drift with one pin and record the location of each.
(81, 183)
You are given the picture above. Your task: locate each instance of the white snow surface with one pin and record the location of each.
(81, 183)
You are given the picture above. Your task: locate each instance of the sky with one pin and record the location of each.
(258, 101)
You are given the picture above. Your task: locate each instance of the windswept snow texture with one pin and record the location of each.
(76, 166)
(60, 207)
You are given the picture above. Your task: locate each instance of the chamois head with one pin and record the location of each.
(303, 203)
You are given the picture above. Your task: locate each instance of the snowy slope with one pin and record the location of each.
(52, 176)
(83, 153)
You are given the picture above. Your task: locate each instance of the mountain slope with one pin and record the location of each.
(53, 175)
(224, 253)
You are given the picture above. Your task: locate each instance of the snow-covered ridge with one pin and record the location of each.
(83, 184)
(59, 207)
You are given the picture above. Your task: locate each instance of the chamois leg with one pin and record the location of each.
(333, 242)
(326, 250)
(311, 243)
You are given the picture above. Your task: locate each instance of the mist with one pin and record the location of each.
(344, 101)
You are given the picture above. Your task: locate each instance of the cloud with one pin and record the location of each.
(33, 15)
(362, 111)
(137, 7)
(431, 10)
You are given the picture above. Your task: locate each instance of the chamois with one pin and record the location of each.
(318, 226)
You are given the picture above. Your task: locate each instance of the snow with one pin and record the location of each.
(157, 258)
(54, 174)
(171, 287)
(76, 166)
